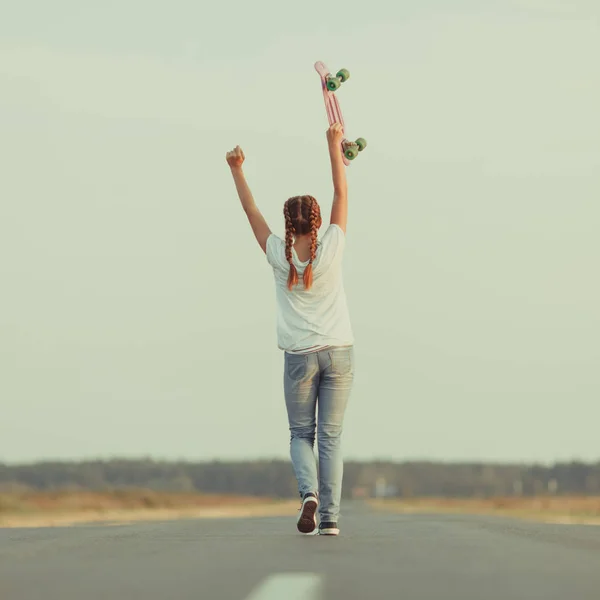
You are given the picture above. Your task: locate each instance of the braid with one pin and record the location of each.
(315, 214)
(289, 240)
(314, 218)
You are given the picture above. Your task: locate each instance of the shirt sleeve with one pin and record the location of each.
(275, 251)
(332, 245)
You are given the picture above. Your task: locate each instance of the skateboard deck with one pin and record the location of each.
(348, 149)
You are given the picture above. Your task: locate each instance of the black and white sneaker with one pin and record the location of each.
(307, 520)
(328, 528)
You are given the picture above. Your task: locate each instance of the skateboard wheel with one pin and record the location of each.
(333, 83)
(343, 75)
(361, 143)
(351, 151)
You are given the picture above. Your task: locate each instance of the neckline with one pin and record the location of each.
(302, 262)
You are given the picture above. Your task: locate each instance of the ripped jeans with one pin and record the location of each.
(319, 384)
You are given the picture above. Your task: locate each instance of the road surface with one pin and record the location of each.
(377, 556)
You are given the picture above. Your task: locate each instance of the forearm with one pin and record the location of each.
(339, 208)
(338, 170)
(257, 221)
(242, 188)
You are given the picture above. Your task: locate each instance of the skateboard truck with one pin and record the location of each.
(351, 149)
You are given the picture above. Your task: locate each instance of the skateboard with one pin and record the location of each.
(330, 84)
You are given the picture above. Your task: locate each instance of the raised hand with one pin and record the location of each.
(235, 158)
(335, 134)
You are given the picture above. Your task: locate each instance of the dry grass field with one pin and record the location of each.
(550, 509)
(61, 508)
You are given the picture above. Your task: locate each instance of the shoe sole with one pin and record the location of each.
(307, 521)
(329, 532)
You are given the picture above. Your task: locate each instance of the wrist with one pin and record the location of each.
(237, 172)
(334, 150)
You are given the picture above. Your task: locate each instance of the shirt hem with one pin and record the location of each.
(319, 348)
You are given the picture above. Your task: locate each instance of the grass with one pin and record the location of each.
(38, 509)
(63, 507)
(550, 509)
(118, 499)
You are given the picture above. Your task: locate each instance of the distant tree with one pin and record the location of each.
(276, 478)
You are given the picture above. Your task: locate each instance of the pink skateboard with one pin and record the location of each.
(330, 83)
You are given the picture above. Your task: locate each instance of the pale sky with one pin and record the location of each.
(137, 311)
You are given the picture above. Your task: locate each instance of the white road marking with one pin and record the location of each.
(289, 586)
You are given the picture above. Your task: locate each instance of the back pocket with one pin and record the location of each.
(296, 366)
(341, 361)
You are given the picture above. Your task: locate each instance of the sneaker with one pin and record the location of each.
(328, 528)
(307, 520)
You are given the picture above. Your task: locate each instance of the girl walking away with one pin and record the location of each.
(314, 331)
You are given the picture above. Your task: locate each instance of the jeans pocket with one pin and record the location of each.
(296, 366)
(341, 361)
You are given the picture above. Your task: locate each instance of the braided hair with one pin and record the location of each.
(290, 231)
(302, 216)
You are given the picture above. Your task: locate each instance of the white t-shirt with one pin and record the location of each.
(317, 318)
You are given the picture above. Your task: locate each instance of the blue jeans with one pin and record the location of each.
(319, 380)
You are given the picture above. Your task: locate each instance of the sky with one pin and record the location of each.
(137, 312)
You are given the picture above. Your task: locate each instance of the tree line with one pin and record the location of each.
(275, 477)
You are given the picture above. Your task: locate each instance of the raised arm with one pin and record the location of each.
(261, 230)
(339, 209)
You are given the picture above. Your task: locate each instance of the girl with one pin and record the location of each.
(313, 330)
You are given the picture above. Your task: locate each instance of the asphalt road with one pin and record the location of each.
(377, 556)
